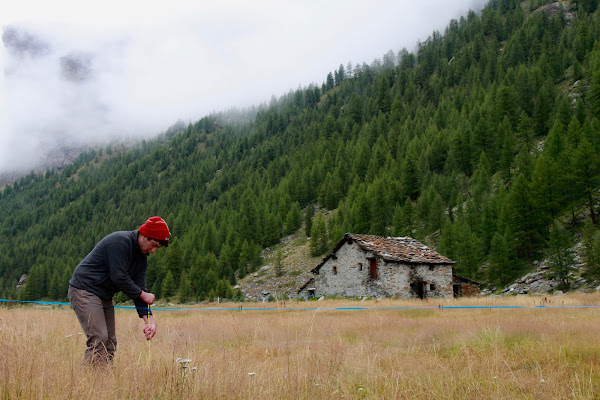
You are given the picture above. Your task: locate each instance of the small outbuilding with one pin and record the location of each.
(376, 266)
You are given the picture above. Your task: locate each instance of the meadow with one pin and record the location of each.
(319, 353)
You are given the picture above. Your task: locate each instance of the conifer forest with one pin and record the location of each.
(483, 143)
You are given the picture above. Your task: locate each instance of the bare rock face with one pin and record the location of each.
(22, 281)
(553, 8)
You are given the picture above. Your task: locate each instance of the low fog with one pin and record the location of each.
(75, 74)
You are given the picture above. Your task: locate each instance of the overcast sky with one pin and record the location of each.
(76, 72)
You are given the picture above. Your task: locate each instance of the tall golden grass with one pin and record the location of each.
(424, 353)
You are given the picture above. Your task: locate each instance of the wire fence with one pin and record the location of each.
(282, 305)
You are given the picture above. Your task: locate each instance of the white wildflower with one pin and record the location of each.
(68, 336)
(251, 373)
(183, 362)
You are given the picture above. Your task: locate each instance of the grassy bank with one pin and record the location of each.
(541, 353)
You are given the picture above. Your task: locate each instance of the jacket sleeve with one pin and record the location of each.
(140, 280)
(142, 308)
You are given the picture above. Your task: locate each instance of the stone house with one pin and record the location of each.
(375, 266)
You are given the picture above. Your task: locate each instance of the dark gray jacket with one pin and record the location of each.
(115, 264)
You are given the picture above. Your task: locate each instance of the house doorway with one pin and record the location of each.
(420, 289)
(456, 290)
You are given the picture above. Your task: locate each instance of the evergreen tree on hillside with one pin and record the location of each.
(561, 256)
(168, 286)
(319, 238)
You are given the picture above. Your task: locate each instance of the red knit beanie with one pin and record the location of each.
(156, 228)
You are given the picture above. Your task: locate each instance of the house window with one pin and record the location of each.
(360, 266)
(335, 270)
(431, 267)
(373, 268)
(432, 286)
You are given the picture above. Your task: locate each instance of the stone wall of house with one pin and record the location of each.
(467, 289)
(348, 274)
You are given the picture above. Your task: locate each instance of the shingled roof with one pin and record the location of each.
(398, 249)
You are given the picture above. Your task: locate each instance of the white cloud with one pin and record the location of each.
(152, 63)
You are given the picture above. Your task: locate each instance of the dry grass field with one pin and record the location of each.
(426, 353)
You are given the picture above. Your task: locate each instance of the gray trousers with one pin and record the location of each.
(97, 318)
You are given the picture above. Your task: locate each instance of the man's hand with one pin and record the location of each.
(147, 298)
(150, 328)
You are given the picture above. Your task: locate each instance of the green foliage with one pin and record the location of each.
(168, 286)
(561, 257)
(591, 249)
(278, 263)
(319, 237)
(293, 219)
(476, 143)
(185, 289)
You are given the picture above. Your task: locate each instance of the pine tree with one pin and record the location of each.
(544, 188)
(245, 257)
(223, 290)
(525, 130)
(379, 209)
(173, 260)
(185, 288)
(308, 219)
(404, 219)
(384, 101)
(523, 219)
(505, 104)
(168, 286)
(34, 288)
(278, 263)
(209, 238)
(507, 153)
(591, 249)
(587, 179)
(410, 182)
(594, 94)
(561, 257)
(355, 110)
(468, 249)
(156, 289)
(502, 267)
(319, 238)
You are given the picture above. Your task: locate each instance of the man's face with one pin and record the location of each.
(148, 246)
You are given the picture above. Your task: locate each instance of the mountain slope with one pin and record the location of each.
(483, 143)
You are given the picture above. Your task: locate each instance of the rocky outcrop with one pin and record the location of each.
(266, 284)
(295, 271)
(553, 8)
(542, 282)
(22, 281)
